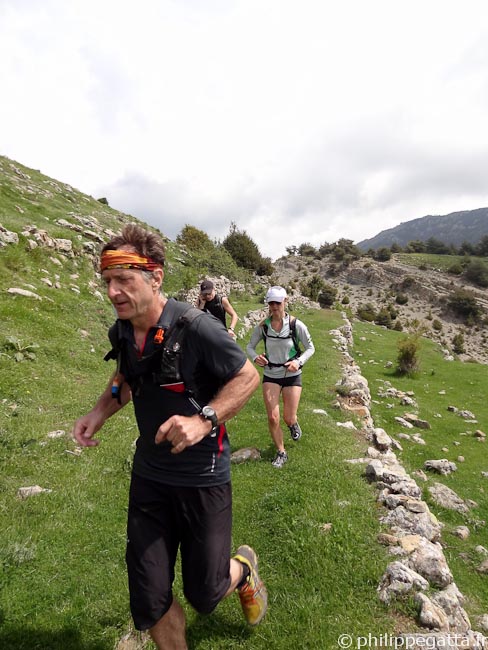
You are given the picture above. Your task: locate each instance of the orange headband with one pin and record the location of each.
(126, 260)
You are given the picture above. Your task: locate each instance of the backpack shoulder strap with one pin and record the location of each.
(115, 336)
(293, 333)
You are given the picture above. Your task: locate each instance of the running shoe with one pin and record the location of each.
(280, 459)
(296, 432)
(253, 594)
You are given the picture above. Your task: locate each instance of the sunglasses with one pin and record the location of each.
(274, 302)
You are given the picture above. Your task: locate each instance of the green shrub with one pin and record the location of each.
(455, 269)
(327, 295)
(382, 254)
(366, 312)
(464, 304)
(477, 272)
(408, 282)
(383, 317)
(313, 287)
(407, 359)
(401, 299)
(345, 300)
(437, 325)
(458, 343)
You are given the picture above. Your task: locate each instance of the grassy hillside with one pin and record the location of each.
(314, 524)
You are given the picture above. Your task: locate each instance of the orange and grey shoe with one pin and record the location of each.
(253, 594)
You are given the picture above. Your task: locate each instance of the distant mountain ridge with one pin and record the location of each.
(453, 228)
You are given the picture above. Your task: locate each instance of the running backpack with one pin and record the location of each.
(292, 335)
(166, 371)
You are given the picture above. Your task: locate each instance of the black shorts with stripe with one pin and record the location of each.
(163, 519)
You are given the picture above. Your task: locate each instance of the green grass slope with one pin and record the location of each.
(437, 385)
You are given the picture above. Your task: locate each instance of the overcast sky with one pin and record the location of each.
(299, 120)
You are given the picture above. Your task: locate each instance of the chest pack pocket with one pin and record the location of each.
(168, 371)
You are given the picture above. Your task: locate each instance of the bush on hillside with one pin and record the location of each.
(458, 343)
(382, 254)
(408, 282)
(437, 325)
(245, 252)
(193, 239)
(327, 296)
(208, 258)
(477, 272)
(307, 250)
(463, 303)
(407, 359)
(455, 269)
(383, 317)
(366, 312)
(313, 287)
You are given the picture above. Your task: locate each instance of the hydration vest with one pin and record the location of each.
(216, 308)
(165, 368)
(291, 335)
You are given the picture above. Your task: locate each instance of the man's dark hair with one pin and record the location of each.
(144, 241)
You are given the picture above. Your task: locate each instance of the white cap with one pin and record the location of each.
(275, 294)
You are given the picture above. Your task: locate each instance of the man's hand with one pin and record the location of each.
(183, 432)
(85, 428)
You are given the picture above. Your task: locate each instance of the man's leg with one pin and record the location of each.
(169, 631)
(152, 546)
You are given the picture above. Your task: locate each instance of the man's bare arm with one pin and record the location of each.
(85, 427)
(183, 431)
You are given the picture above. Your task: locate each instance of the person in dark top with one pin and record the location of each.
(185, 380)
(209, 300)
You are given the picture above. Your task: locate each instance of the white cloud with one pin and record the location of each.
(300, 121)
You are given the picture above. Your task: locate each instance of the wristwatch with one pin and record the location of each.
(209, 414)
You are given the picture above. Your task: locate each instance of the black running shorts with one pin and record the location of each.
(163, 518)
(284, 382)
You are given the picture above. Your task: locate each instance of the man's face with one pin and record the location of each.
(128, 291)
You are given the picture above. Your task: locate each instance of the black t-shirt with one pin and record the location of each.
(209, 358)
(216, 308)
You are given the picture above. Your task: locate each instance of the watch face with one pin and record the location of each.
(209, 414)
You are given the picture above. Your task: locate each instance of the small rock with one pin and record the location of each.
(441, 466)
(247, 453)
(325, 528)
(461, 531)
(32, 490)
(56, 434)
(483, 567)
